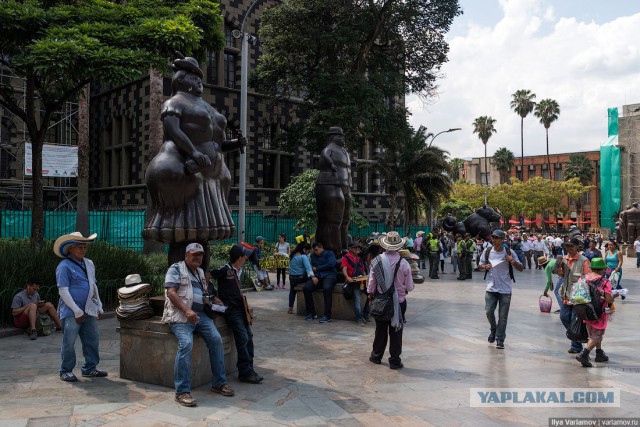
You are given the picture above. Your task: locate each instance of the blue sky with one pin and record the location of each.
(585, 54)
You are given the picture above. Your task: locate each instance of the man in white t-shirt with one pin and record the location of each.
(636, 246)
(539, 249)
(497, 261)
(557, 243)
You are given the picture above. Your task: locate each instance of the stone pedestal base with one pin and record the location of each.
(341, 308)
(148, 352)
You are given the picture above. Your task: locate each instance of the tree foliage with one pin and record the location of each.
(298, 200)
(455, 166)
(579, 166)
(60, 46)
(547, 110)
(348, 61)
(417, 171)
(534, 196)
(457, 208)
(504, 160)
(522, 103)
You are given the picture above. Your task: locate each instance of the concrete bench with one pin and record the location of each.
(341, 308)
(148, 352)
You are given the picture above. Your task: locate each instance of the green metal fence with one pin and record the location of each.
(123, 228)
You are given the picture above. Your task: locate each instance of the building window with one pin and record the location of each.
(212, 68)
(117, 153)
(230, 70)
(557, 174)
(484, 178)
(545, 173)
(586, 198)
(230, 41)
(268, 175)
(287, 170)
(519, 174)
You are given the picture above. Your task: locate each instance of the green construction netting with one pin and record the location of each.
(610, 174)
(124, 228)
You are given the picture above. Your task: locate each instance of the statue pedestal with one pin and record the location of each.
(341, 308)
(628, 250)
(148, 352)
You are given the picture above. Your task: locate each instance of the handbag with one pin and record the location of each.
(347, 291)
(381, 307)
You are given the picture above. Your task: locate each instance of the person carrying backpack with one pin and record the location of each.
(499, 262)
(600, 288)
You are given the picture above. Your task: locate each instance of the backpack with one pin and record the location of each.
(44, 324)
(486, 261)
(594, 309)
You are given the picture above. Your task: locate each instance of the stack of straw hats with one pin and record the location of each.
(412, 259)
(134, 299)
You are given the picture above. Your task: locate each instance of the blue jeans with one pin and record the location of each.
(237, 321)
(637, 259)
(90, 338)
(556, 291)
(491, 300)
(327, 283)
(361, 313)
(182, 367)
(293, 282)
(566, 315)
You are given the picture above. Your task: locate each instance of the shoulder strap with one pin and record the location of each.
(392, 286)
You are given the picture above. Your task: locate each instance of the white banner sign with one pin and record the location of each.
(57, 160)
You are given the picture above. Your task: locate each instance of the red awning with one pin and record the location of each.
(535, 221)
(569, 221)
(527, 220)
(587, 222)
(514, 221)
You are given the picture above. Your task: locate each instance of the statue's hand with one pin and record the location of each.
(201, 159)
(242, 142)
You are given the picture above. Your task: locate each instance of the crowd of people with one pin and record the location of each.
(376, 268)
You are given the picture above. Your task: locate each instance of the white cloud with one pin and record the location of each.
(586, 67)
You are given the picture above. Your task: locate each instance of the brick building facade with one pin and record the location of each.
(473, 171)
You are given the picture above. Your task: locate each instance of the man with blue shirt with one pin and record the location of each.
(79, 307)
(499, 262)
(323, 263)
(186, 292)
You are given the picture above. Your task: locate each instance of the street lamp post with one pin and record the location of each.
(244, 77)
(429, 146)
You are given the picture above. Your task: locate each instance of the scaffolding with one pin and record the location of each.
(629, 138)
(15, 186)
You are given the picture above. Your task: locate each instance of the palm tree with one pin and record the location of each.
(484, 127)
(579, 167)
(522, 102)
(503, 160)
(547, 111)
(456, 165)
(417, 171)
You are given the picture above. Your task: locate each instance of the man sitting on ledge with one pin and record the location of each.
(25, 306)
(186, 293)
(324, 266)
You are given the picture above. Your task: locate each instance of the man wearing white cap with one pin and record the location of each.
(186, 291)
(79, 307)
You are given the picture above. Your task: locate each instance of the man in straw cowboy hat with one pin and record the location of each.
(390, 269)
(80, 305)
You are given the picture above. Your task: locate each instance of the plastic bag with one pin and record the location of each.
(614, 279)
(580, 292)
(577, 330)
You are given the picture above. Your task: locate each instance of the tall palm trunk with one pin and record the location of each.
(548, 158)
(522, 147)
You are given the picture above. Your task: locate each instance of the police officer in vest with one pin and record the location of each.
(434, 248)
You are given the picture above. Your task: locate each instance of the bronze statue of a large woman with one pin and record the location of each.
(188, 180)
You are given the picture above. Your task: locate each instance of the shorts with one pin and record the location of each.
(21, 321)
(595, 335)
(261, 273)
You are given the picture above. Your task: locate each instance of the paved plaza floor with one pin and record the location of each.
(319, 374)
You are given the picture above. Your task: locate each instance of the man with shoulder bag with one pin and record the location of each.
(390, 275)
(186, 293)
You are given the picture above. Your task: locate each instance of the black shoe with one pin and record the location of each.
(374, 360)
(500, 344)
(460, 278)
(574, 351)
(492, 336)
(601, 357)
(258, 376)
(583, 358)
(252, 378)
(396, 366)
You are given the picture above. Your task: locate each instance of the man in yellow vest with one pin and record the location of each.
(433, 250)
